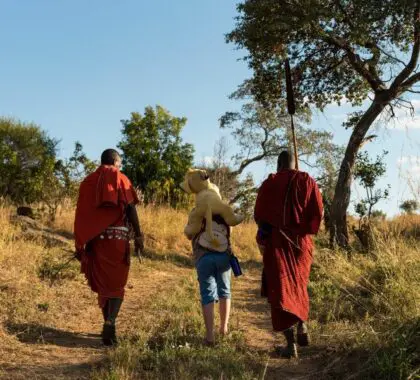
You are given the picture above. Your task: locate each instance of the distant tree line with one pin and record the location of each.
(154, 157)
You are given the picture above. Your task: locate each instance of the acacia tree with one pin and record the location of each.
(261, 133)
(357, 49)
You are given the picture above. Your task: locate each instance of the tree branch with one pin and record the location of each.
(248, 162)
(410, 67)
(265, 153)
(392, 57)
(362, 67)
(238, 196)
(410, 82)
(307, 163)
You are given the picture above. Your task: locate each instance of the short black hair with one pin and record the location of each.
(109, 156)
(285, 160)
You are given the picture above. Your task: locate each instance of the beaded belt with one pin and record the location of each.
(119, 233)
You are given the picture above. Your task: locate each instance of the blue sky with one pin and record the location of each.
(77, 68)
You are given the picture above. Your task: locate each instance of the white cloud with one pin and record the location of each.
(415, 170)
(405, 120)
(208, 160)
(407, 123)
(412, 160)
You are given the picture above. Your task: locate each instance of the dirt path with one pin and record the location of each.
(72, 348)
(252, 315)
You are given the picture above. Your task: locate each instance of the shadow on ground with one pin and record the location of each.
(175, 258)
(61, 371)
(31, 333)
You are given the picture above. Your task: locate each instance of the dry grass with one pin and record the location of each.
(163, 228)
(366, 308)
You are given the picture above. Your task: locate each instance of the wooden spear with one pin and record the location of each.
(291, 108)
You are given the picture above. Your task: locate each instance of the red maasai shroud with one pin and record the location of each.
(103, 197)
(291, 203)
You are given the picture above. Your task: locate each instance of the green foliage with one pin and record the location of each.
(154, 155)
(396, 361)
(55, 270)
(73, 170)
(339, 51)
(368, 172)
(246, 197)
(409, 206)
(262, 133)
(28, 161)
(336, 48)
(30, 171)
(353, 119)
(378, 214)
(64, 181)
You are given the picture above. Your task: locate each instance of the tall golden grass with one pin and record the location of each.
(366, 306)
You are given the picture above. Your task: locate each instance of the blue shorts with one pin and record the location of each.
(213, 271)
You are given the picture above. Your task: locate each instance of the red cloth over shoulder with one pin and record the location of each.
(290, 200)
(103, 196)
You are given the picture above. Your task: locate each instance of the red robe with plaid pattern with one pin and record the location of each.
(290, 202)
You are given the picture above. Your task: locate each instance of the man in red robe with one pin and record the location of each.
(105, 211)
(288, 211)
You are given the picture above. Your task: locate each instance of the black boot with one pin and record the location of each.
(291, 350)
(302, 335)
(109, 337)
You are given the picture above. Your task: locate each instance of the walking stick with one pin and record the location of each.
(291, 108)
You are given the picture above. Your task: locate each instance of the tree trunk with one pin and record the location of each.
(341, 200)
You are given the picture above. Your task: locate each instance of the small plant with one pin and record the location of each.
(410, 206)
(53, 270)
(368, 172)
(44, 306)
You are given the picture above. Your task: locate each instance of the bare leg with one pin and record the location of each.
(208, 313)
(224, 308)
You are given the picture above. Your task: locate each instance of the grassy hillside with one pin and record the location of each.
(365, 311)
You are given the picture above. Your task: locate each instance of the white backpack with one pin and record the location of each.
(220, 232)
